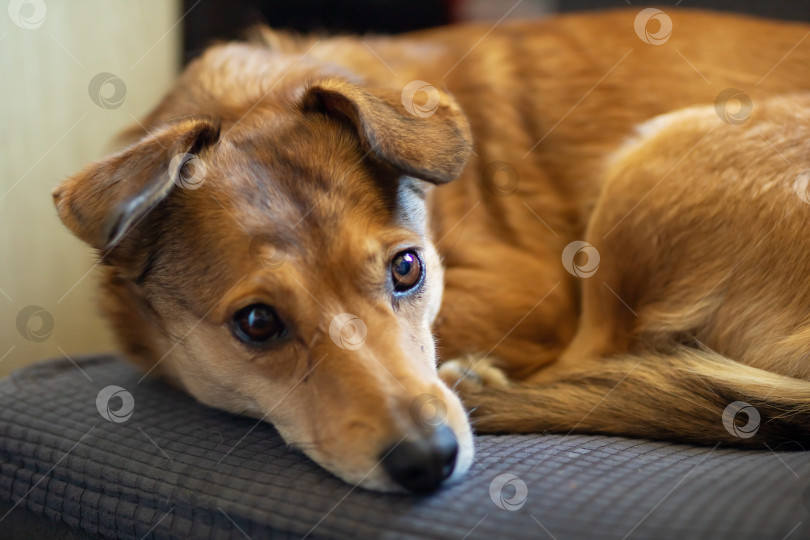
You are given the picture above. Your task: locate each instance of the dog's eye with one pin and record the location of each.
(406, 270)
(257, 324)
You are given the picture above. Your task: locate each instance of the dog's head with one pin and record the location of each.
(281, 267)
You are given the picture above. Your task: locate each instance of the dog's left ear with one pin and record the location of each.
(432, 146)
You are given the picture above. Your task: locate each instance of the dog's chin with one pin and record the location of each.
(374, 478)
(370, 473)
(364, 473)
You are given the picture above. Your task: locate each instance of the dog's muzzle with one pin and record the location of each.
(421, 464)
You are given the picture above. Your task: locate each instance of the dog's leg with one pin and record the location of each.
(473, 371)
(689, 395)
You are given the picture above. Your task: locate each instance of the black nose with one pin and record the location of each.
(420, 465)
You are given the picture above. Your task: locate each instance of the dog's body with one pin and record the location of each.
(312, 147)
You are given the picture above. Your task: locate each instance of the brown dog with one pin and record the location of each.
(274, 245)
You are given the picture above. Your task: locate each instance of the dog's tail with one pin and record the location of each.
(688, 395)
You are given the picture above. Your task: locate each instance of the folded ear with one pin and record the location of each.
(433, 146)
(106, 199)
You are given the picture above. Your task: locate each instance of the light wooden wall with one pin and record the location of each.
(49, 128)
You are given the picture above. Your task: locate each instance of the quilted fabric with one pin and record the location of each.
(176, 469)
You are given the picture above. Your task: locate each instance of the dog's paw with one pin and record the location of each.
(471, 373)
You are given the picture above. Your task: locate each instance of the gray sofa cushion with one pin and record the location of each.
(176, 469)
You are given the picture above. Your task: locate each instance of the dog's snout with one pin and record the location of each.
(421, 465)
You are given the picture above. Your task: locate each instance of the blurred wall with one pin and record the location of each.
(73, 73)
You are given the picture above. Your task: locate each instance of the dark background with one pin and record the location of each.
(211, 20)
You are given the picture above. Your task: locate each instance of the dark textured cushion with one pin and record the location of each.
(176, 469)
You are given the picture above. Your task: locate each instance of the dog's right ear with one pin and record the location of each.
(104, 201)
